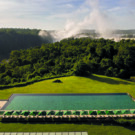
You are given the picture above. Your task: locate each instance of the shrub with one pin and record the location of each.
(14, 80)
(132, 78)
(57, 81)
(37, 77)
(42, 71)
(7, 79)
(23, 80)
(115, 72)
(30, 76)
(81, 69)
(109, 71)
(123, 73)
(125, 122)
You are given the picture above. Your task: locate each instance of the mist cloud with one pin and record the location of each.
(97, 19)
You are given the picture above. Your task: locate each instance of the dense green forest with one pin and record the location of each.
(74, 56)
(16, 39)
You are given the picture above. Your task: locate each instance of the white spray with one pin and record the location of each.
(96, 18)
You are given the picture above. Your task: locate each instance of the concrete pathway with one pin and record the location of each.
(2, 103)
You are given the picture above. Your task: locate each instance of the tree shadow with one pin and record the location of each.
(93, 122)
(106, 80)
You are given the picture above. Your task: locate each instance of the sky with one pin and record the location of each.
(56, 14)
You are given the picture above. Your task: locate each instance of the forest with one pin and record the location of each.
(16, 39)
(80, 57)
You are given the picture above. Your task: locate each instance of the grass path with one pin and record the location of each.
(73, 84)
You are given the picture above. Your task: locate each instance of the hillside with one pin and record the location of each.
(70, 56)
(73, 84)
(17, 39)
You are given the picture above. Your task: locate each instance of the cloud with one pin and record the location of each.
(115, 9)
(95, 18)
(28, 8)
(51, 13)
(55, 14)
(128, 3)
(69, 5)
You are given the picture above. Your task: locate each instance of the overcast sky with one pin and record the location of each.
(54, 14)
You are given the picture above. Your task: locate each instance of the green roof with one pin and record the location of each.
(76, 112)
(132, 111)
(25, 113)
(59, 113)
(42, 113)
(117, 112)
(109, 112)
(101, 112)
(16, 113)
(84, 112)
(125, 111)
(2, 112)
(8, 113)
(51, 113)
(33, 113)
(92, 112)
(67, 112)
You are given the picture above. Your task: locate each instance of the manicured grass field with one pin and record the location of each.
(72, 84)
(91, 129)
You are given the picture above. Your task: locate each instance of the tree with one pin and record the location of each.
(109, 71)
(123, 74)
(7, 80)
(105, 63)
(81, 69)
(43, 70)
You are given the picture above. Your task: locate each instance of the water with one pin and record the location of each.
(69, 102)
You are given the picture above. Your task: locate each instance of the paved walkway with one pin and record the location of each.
(2, 103)
(43, 133)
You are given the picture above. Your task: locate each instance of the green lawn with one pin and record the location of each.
(72, 84)
(91, 129)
